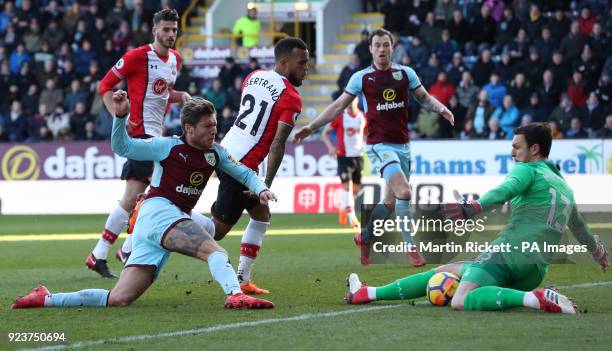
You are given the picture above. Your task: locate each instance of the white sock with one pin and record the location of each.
(127, 244)
(250, 245)
(116, 221)
(346, 196)
(204, 221)
(530, 300)
(371, 293)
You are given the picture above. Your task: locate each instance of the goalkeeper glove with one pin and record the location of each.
(600, 255)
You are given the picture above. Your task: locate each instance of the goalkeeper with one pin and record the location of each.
(542, 206)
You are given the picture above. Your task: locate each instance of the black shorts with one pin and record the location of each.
(231, 201)
(349, 168)
(138, 170)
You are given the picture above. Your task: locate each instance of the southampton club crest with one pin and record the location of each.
(210, 158)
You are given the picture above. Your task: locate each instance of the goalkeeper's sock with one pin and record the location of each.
(408, 288)
(380, 211)
(249, 247)
(83, 298)
(223, 272)
(116, 221)
(494, 298)
(403, 210)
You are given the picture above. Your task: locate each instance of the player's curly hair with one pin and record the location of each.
(194, 109)
(165, 15)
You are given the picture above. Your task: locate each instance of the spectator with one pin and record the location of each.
(37, 126)
(559, 69)
(138, 16)
(554, 130)
(25, 13)
(59, 124)
(468, 131)
(466, 91)
(599, 42)
(399, 49)
(10, 39)
(99, 36)
(495, 132)
(24, 78)
(18, 57)
(394, 12)
(507, 28)
(6, 16)
(369, 3)
(427, 124)
(216, 94)
(90, 132)
(446, 130)
(74, 95)
(109, 55)
(588, 67)
(442, 89)
(443, 12)
(533, 66)
(67, 74)
(78, 119)
(495, 90)
(33, 38)
(508, 116)
(586, 21)
(429, 73)
(535, 109)
(418, 53)
(483, 28)
(252, 66)
(606, 131)
(534, 23)
(480, 112)
(546, 45)
(593, 114)
(17, 123)
(48, 71)
(103, 124)
(507, 68)
(572, 43)
(459, 29)
(559, 25)
(520, 46)
(577, 90)
(564, 113)
(229, 72)
(429, 30)
(44, 54)
(83, 58)
(345, 75)
(234, 95)
(362, 50)
(575, 131)
(526, 120)
(456, 68)
(122, 36)
(93, 75)
(520, 90)
(51, 96)
(445, 48)
(79, 34)
(54, 34)
(117, 15)
(142, 35)
(549, 92)
(604, 89)
(71, 17)
(29, 100)
(225, 123)
(249, 27)
(483, 68)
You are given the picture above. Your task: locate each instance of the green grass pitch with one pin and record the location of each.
(306, 275)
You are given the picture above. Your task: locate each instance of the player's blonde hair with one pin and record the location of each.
(194, 109)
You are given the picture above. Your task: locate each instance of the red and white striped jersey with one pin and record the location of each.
(150, 78)
(349, 130)
(267, 100)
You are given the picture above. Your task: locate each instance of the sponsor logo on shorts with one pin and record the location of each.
(390, 106)
(188, 190)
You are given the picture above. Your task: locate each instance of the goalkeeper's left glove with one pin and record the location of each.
(600, 255)
(462, 209)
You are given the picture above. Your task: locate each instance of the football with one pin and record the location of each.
(441, 288)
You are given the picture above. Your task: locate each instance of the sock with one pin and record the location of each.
(345, 200)
(83, 298)
(127, 244)
(408, 288)
(249, 247)
(116, 221)
(402, 210)
(204, 221)
(380, 211)
(223, 272)
(493, 298)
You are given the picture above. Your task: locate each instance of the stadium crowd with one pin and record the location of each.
(496, 64)
(500, 64)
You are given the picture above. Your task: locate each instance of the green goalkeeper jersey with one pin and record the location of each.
(542, 205)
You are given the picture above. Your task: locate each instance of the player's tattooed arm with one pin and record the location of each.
(186, 237)
(432, 104)
(277, 151)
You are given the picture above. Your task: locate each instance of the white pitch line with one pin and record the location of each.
(220, 327)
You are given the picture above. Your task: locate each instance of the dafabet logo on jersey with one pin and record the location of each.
(196, 179)
(389, 95)
(20, 162)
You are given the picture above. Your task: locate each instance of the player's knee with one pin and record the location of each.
(120, 300)
(208, 248)
(404, 192)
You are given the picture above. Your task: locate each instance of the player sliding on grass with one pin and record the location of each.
(182, 168)
(384, 87)
(542, 206)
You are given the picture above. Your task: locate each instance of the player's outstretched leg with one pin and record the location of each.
(250, 245)
(189, 238)
(493, 298)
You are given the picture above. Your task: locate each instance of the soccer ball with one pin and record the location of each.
(441, 288)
